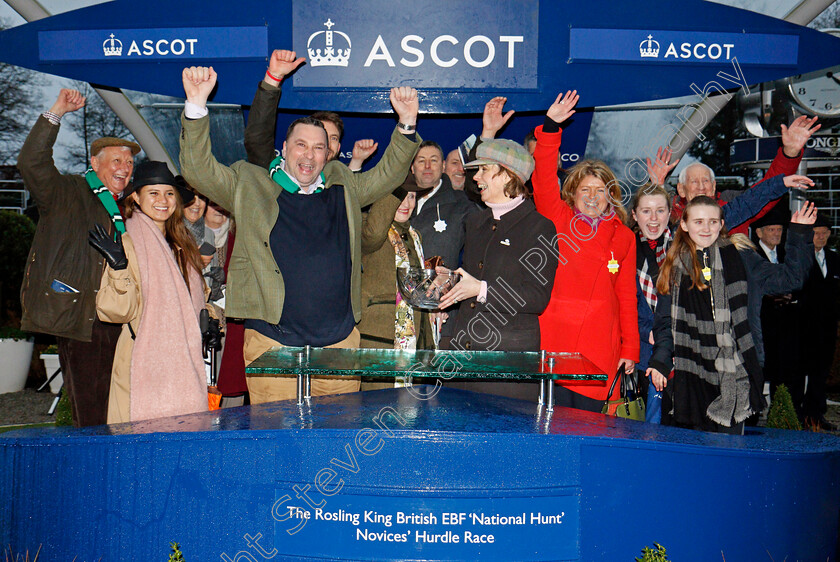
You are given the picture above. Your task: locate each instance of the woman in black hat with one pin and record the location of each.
(153, 286)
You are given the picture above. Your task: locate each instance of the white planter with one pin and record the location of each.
(51, 365)
(14, 366)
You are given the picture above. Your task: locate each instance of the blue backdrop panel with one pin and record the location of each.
(449, 131)
(381, 475)
(455, 52)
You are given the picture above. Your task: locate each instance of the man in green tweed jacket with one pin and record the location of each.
(295, 272)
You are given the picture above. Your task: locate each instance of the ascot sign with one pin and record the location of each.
(154, 43)
(371, 50)
(636, 45)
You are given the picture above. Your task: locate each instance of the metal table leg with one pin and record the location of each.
(550, 405)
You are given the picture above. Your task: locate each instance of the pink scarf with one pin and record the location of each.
(167, 367)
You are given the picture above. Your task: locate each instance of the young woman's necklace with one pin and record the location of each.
(707, 272)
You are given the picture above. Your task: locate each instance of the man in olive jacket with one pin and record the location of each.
(295, 272)
(63, 271)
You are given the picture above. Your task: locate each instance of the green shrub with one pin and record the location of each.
(176, 555)
(17, 234)
(10, 332)
(651, 555)
(782, 414)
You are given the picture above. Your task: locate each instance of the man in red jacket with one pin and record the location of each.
(698, 179)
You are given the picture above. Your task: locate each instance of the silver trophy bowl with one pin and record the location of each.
(423, 288)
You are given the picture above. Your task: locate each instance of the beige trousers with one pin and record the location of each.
(284, 387)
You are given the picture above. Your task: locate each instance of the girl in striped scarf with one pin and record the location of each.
(650, 209)
(707, 327)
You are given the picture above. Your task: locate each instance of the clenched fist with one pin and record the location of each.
(199, 81)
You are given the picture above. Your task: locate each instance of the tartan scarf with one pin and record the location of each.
(277, 171)
(715, 361)
(98, 188)
(648, 263)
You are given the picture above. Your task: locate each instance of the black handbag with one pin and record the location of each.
(629, 405)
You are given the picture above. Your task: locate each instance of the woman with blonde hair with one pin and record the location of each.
(650, 212)
(153, 286)
(593, 303)
(708, 326)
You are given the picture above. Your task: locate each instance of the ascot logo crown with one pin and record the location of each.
(649, 48)
(323, 52)
(112, 47)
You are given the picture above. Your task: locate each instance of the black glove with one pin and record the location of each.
(111, 249)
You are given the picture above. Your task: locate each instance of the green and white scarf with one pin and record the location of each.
(278, 173)
(106, 199)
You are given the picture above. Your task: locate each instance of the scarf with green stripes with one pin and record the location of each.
(278, 174)
(106, 199)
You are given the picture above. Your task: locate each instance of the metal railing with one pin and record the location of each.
(13, 196)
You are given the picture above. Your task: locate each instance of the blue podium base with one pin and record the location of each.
(385, 476)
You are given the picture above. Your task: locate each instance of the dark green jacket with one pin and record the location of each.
(60, 250)
(255, 284)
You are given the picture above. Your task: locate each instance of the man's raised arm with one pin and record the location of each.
(35, 160)
(392, 169)
(785, 163)
(198, 165)
(262, 117)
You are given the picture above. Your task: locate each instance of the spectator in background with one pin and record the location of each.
(819, 335)
(530, 142)
(195, 209)
(781, 315)
(153, 287)
(707, 326)
(454, 169)
(63, 272)
(262, 118)
(593, 304)
(218, 221)
(335, 131)
(441, 211)
(698, 179)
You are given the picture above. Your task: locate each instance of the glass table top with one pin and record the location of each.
(424, 364)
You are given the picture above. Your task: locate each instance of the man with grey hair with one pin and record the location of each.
(698, 179)
(63, 271)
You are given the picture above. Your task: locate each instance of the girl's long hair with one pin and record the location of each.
(176, 235)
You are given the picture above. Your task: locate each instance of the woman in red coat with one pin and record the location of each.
(593, 304)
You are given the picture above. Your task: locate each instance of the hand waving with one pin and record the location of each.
(493, 120)
(110, 248)
(806, 215)
(563, 106)
(795, 136)
(798, 182)
(662, 166)
(199, 82)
